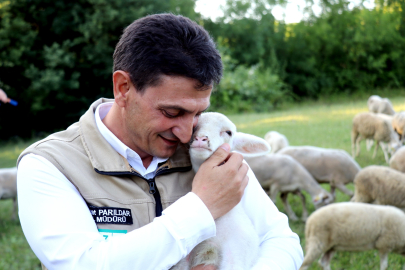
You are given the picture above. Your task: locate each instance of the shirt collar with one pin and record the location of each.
(133, 158)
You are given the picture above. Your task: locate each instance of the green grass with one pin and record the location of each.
(324, 123)
(15, 252)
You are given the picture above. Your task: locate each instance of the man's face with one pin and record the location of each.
(161, 117)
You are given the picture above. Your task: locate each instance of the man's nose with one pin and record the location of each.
(184, 129)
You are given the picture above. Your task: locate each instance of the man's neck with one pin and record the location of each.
(147, 161)
(113, 121)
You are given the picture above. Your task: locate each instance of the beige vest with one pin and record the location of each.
(105, 179)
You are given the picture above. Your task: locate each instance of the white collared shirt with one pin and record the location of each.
(62, 233)
(133, 158)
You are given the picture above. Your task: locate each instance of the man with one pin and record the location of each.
(92, 196)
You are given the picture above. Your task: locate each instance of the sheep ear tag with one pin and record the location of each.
(250, 145)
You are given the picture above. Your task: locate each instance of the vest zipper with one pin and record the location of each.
(151, 182)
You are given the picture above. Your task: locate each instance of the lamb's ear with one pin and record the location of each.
(250, 145)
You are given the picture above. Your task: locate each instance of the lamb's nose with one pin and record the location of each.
(201, 139)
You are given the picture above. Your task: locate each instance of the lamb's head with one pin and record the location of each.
(322, 199)
(213, 130)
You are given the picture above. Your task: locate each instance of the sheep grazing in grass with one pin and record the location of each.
(370, 126)
(397, 161)
(276, 140)
(283, 174)
(8, 187)
(385, 117)
(398, 123)
(212, 130)
(376, 104)
(333, 166)
(353, 227)
(380, 185)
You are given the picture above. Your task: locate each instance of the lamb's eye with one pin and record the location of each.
(229, 132)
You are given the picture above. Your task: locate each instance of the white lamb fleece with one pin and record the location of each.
(276, 140)
(376, 104)
(283, 174)
(353, 227)
(380, 185)
(8, 187)
(225, 251)
(397, 161)
(333, 166)
(371, 126)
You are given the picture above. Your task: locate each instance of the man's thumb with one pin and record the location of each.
(220, 155)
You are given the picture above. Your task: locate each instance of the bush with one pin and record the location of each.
(249, 89)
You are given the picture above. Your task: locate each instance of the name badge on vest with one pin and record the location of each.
(111, 215)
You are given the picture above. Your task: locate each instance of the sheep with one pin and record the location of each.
(353, 227)
(276, 140)
(212, 130)
(333, 166)
(282, 173)
(398, 124)
(8, 187)
(385, 117)
(370, 126)
(380, 185)
(397, 161)
(376, 104)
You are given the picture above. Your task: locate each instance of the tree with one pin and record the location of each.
(56, 56)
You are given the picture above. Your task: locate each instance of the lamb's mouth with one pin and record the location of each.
(200, 148)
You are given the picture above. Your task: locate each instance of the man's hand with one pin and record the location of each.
(203, 267)
(3, 96)
(221, 185)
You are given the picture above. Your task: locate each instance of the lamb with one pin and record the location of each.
(370, 126)
(376, 104)
(398, 124)
(212, 131)
(353, 227)
(276, 140)
(380, 185)
(333, 166)
(8, 187)
(282, 173)
(397, 161)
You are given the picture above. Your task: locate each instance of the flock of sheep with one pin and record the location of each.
(375, 218)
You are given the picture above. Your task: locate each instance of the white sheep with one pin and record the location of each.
(385, 117)
(8, 186)
(283, 174)
(276, 140)
(376, 104)
(212, 130)
(353, 227)
(370, 126)
(333, 166)
(380, 185)
(398, 124)
(397, 161)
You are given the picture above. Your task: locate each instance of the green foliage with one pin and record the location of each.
(247, 89)
(57, 56)
(345, 52)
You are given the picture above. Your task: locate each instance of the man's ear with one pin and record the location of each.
(122, 84)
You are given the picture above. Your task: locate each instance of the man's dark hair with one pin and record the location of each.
(167, 44)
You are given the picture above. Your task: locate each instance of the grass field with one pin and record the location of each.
(315, 123)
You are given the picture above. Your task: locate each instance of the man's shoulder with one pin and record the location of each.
(66, 140)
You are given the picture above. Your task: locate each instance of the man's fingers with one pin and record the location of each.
(220, 155)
